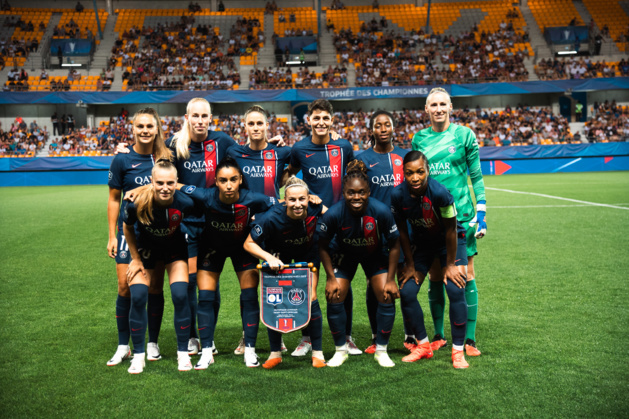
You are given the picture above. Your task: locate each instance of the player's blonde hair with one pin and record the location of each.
(145, 199)
(438, 90)
(160, 151)
(294, 181)
(183, 137)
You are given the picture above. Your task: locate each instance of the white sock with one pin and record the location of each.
(424, 340)
(318, 354)
(382, 348)
(342, 348)
(457, 347)
(409, 336)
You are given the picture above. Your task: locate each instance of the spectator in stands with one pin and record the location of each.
(59, 55)
(221, 6)
(281, 18)
(6, 6)
(79, 7)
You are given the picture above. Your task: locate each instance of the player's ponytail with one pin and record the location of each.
(145, 198)
(356, 169)
(183, 137)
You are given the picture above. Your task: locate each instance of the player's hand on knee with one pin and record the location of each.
(332, 290)
(408, 272)
(134, 268)
(452, 273)
(391, 291)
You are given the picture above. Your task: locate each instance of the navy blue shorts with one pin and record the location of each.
(193, 231)
(123, 257)
(212, 258)
(424, 256)
(168, 252)
(345, 265)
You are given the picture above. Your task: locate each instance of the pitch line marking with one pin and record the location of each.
(594, 204)
(544, 206)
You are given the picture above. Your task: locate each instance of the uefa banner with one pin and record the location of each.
(285, 298)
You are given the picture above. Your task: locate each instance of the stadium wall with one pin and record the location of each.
(48, 171)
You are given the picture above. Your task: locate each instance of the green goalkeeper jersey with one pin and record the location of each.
(450, 154)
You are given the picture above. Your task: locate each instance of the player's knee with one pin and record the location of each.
(408, 292)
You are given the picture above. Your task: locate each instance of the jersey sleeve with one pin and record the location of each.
(198, 195)
(326, 225)
(129, 214)
(396, 206)
(262, 227)
(389, 228)
(116, 172)
(473, 163)
(188, 206)
(350, 152)
(294, 159)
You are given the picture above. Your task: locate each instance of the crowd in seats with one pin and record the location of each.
(285, 78)
(555, 13)
(579, 68)
(295, 21)
(80, 24)
(521, 125)
(270, 8)
(22, 139)
(611, 16)
(610, 122)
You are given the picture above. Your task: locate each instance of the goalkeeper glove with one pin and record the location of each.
(479, 220)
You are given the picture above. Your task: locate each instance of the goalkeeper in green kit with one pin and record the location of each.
(451, 150)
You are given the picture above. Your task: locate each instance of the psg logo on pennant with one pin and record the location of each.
(296, 296)
(274, 296)
(369, 226)
(452, 149)
(209, 147)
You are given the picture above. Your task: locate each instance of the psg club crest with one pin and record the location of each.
(369, 226)
(175, 217)
(452, 149)
(335, 153)
(397, 162)
(274, 296)
(240, 212)
(209, 148)
(296, 296)
(268, 155)
(426, 206)
(123, 254)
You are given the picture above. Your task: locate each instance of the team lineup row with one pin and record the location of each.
(343, 213)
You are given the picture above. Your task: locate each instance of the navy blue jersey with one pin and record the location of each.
(129, 171)
(228, 224)
(262, 168)
(359, 236)
(423, 213)
(200, 168)
(166, 225)
(385, 172)
(276, 232)
(323, 167)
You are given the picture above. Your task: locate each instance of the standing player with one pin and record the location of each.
(129, 171)
(383, 161)
(287, 233)
(452, 150)
(323, 164)
(157, 212)
(438, 237)
(228, 212)
(361, 231)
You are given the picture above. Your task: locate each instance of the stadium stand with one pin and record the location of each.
(555, 13)
(22, 139)
(612, 18)
(579, 68)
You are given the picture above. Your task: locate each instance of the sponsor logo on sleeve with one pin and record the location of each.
(258, 230)
(189, 189)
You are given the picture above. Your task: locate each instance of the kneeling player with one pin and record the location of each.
(287, 231)
(437, 236)
(158, 211)
(356, 226)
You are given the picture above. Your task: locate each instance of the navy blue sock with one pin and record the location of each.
(336, 320)
(275, 340)
(138, 318)
(217, 303)
(412, 311)
(123, 305)
(316, 326)
(155, 312)
(179, 294)
(349, 310)
(205, 313)
(372, 308)
(192, 302)
(385, 317)
(250, 315)
(458, 312)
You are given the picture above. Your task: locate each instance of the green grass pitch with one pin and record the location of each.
(552, 324)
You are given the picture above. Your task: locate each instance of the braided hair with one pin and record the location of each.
(356, 169)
